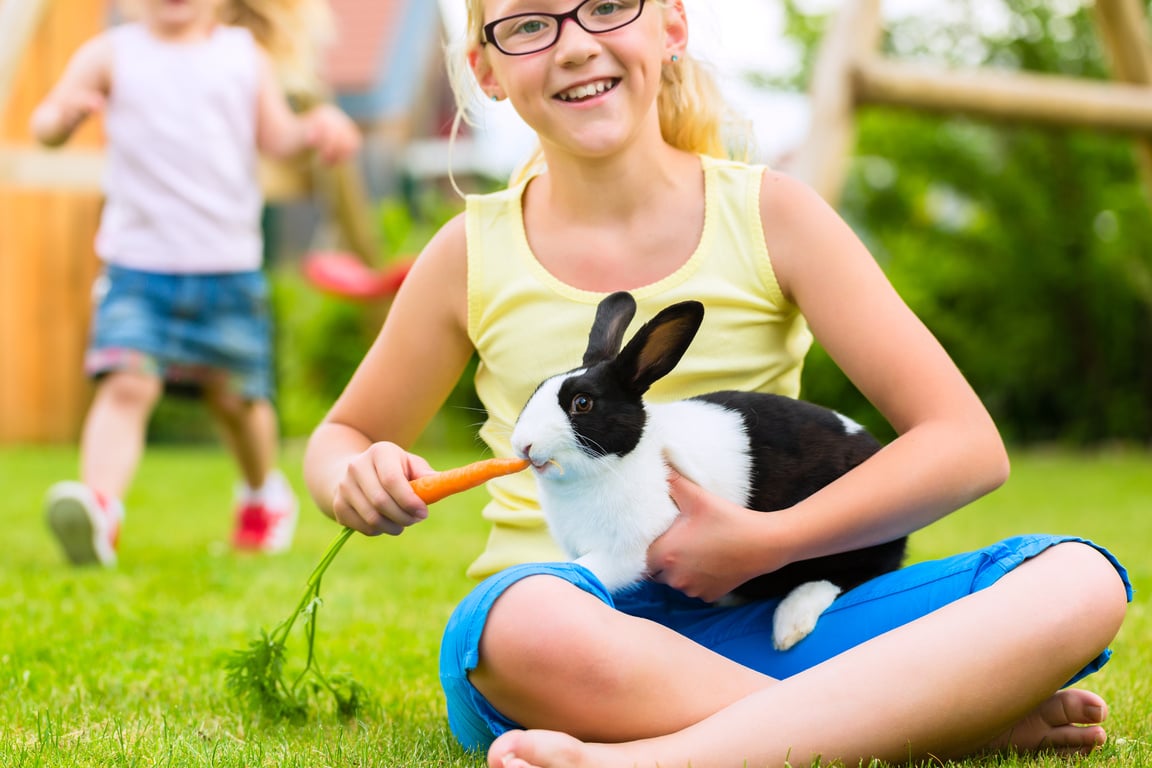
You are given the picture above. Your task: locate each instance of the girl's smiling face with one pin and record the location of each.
(589, 93)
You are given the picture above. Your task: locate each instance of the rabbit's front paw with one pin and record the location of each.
(797, 613)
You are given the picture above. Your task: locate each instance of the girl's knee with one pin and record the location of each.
(1087, 584)
(547, 649)
(545, 628)
(540, 618)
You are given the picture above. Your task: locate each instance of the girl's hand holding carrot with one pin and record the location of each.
(386, 489)
(375, 496)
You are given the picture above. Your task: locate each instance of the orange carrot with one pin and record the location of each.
(432, 488)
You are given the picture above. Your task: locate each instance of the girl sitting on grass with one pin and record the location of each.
(634, 190)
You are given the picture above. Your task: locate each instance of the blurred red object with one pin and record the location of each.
(346, 275)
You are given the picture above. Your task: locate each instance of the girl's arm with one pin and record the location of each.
(357, 466)
(282, 133)
(947, 451)
(80, 92)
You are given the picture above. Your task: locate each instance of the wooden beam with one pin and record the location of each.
(81, 170)
(1010, 96)
(77, 170)
(822, 161)
(18, 22)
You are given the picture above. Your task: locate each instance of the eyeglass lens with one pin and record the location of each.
(531, 32)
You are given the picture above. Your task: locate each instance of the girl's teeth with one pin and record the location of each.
(584, 91)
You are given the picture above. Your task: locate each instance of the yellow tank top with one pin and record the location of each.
(527, 325)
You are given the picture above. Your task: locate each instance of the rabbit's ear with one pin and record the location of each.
(658, 346)
(612, 317)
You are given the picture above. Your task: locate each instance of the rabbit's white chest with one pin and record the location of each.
(706, 443)
(607, 519)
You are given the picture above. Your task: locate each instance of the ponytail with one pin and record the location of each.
(695, 117)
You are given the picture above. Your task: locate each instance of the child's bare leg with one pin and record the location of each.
(977, 673)
(112, 440)
(249, 429)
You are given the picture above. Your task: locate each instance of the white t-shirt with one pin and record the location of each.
(182, 190)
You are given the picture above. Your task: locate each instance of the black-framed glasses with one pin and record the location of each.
(527, 33)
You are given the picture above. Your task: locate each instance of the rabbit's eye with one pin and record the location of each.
(581, 404)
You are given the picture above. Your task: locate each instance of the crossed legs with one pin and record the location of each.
(982, 672)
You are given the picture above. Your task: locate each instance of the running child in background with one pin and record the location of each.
(190, 101)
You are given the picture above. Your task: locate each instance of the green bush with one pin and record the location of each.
(321, 339)
(1026, 250)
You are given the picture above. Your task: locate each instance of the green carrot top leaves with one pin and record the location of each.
(257, 674)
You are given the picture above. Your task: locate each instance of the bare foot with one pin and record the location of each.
(1067, 721)
(543, 749)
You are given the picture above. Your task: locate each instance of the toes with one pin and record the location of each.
(1073, 706)
(502, 752)
(535, 749)
(1074, 739)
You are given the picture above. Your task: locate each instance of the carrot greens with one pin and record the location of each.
(257, 674)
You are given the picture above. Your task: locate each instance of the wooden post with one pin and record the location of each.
(854, 37)
(47, 261)
(18, 22)
(1123, 27)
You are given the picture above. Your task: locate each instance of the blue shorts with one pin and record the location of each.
(741, 633)
(184, 328)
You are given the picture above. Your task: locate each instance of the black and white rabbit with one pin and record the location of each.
(599, 451)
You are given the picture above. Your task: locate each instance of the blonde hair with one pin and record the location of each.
(292, 32)
(693, 114)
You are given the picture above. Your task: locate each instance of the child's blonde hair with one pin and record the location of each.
(292, 32)
(693, 114)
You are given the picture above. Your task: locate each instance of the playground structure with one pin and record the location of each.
(50, 200)
(851, 73)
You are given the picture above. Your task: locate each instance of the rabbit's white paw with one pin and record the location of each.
(797, 613)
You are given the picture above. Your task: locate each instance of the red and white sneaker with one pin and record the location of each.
(265, 519)
(86, 523)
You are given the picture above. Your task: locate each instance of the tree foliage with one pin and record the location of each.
(1027, 250)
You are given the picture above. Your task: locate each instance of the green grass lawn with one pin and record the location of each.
(123, 667)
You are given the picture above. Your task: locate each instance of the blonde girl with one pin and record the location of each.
(633, 188)
(189, 102)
